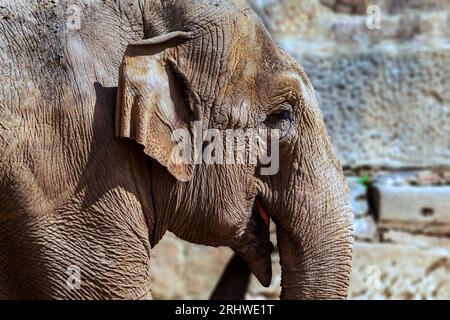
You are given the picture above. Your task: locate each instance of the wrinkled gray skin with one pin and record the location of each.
(73, 194)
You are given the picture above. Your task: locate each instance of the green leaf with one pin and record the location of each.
(364, 181)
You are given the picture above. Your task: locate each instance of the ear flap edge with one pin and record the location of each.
(150, 107)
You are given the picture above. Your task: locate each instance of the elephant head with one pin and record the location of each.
(207, 65)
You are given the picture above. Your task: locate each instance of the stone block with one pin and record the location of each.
(419, 209)
(385, 109)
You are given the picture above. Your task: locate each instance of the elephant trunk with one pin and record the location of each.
(316, 244)
(316, 272)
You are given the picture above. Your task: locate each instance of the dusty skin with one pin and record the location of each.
(86, 180)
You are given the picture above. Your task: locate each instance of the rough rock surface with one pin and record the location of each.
(386, 109)
(388, 271)
(181, 270)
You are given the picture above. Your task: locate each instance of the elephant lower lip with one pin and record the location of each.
(262, 213)
(257, 248)
(254, 245)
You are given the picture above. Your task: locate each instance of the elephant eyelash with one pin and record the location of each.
(281, 120)
(282, 115)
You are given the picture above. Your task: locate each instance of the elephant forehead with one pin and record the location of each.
(255, 56)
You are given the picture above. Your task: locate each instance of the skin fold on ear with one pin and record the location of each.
(155, 104)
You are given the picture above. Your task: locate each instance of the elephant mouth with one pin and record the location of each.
(262, 213)
(255, 246)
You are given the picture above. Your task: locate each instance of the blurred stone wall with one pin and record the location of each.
(384, 91)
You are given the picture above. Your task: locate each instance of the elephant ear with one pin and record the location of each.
(156, 106)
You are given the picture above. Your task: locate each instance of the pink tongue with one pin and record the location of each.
(263, 214)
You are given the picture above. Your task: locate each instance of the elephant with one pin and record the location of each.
(92, 95)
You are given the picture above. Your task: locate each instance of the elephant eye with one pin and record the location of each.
(281, 120)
